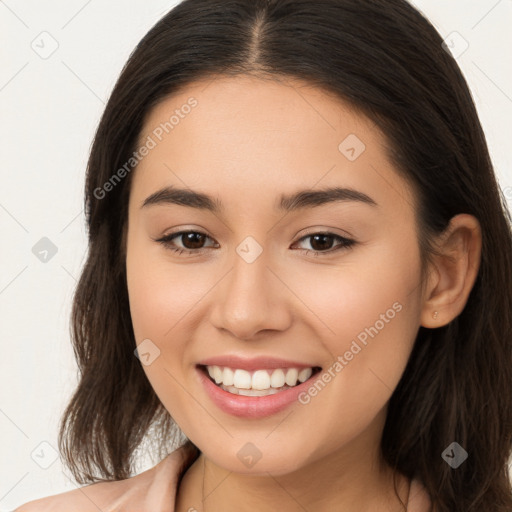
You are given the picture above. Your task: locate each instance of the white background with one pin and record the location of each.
(49, 111)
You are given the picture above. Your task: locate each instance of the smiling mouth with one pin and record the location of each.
(262, 382)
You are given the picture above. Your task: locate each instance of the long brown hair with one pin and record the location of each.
(387, 61)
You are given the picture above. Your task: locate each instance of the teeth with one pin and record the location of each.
(260, 380)
(265, 381)
(252, 392)
(242, 379)
(217, 374)
(277, 379)
(227, 377)
(291, 376)
(257, 392)
(305, 373)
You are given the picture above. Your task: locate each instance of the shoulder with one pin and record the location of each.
(419, 499)
(154, 490)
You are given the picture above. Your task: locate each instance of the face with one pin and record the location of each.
(260, 282)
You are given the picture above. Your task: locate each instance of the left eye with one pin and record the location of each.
(321, 240)
(193, 241)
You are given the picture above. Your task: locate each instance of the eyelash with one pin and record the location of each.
(166, 241)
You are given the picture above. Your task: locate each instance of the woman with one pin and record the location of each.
(301, 260)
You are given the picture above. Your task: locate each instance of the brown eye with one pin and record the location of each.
(323, 243)
(191, 241)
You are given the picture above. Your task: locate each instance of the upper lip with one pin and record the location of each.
(253, 363)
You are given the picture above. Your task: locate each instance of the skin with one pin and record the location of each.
(247, 142)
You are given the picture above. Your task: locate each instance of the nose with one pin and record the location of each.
(250, 299)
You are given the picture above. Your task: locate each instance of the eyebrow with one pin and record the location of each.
(308, 198)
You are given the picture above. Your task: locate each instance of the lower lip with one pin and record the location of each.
(252, 406)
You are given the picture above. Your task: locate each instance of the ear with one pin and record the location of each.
(454, 271)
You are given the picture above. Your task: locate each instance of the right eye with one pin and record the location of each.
(192, 241)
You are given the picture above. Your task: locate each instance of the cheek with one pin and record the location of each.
(160, 293)
(352, 295)
(370, 333)
(368, 310)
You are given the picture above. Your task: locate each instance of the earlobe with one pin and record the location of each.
(456, 268)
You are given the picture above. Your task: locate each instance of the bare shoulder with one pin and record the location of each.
(153, 490)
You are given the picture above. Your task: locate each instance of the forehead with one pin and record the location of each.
(241, 108)
(243, 135)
